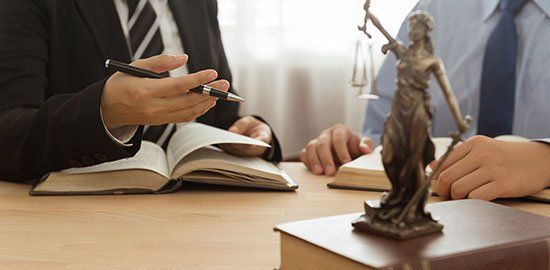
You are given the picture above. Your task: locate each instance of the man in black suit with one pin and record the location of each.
(60, 108)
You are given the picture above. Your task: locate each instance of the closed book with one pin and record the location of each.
(367, 172)
(476, 235)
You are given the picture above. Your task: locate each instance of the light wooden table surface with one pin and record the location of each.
(198, 228)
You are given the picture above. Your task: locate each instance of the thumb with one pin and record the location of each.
(162, 63)
(366, 145)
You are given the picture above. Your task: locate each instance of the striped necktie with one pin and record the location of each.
(145, 37)
(498, 80)
(146, 41)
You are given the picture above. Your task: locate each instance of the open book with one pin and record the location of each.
(367, 172)
(190, 157)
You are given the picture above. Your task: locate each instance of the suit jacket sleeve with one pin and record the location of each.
(226, 113)
(40, 133)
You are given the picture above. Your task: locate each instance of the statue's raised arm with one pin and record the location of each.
(443, 80)
(393, 44)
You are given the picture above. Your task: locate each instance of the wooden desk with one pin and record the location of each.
(193, 229)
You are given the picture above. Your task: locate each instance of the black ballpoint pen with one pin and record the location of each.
(143, 73)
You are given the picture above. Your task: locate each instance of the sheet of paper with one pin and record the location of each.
(150, 157)
(192, 136)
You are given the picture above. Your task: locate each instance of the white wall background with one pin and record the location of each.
(292, 60)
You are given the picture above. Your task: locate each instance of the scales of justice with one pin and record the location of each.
(406, 144)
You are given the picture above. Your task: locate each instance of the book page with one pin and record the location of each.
(372, 163)
(234, 169)
(512, 138)
(192, 136)
(150, 157)
(205, 157)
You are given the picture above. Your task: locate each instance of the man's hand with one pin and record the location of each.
(485, 168)
(336, 145)
(129, 100)
(251, 127)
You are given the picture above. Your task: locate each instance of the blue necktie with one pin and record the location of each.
(498, 80)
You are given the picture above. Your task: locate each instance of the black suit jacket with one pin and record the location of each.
(52, 55)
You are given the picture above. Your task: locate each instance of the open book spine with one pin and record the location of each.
(171, 186)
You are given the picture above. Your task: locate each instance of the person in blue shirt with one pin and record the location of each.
(496, 53)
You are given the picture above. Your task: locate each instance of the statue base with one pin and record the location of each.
(369, 222)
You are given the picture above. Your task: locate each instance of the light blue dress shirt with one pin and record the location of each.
(461, 33)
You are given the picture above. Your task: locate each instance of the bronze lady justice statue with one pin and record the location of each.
(406, 145)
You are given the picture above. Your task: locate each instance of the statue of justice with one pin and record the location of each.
(406, 144)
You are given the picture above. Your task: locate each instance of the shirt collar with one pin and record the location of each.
(489, 7)
(544, 5)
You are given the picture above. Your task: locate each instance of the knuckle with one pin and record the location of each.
(311, 144)
(322, 144)
(324, 137)
(180, 86)
(458, 191)
(247, 120)
(445, 178)
(478, 139)
(338, 139)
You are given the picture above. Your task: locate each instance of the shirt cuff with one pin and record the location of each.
(121, 135)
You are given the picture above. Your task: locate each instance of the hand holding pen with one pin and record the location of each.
(144, 73)
(129, 100)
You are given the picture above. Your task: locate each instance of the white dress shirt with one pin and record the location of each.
(172, 45)
(461, 33)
